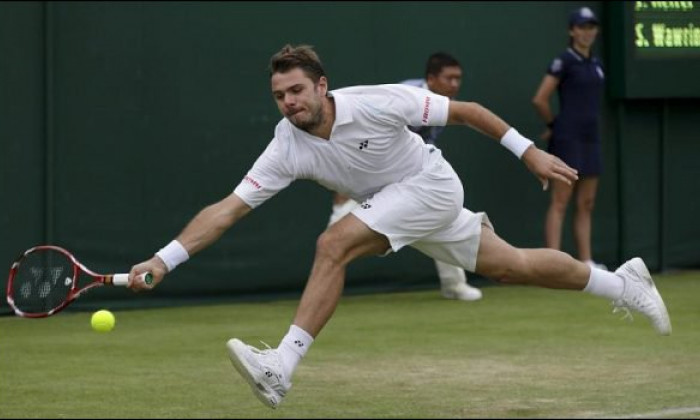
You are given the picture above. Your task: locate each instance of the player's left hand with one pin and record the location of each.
(546, 166)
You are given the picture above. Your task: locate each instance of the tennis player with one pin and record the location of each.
(356, 141)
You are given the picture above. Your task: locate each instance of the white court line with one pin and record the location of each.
(659, 414)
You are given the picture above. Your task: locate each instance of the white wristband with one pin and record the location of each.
(173, 255)
(514, 142)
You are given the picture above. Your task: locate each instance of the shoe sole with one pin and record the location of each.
(640, 267)
(236, 349)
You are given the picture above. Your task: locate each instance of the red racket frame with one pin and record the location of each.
(73, 293)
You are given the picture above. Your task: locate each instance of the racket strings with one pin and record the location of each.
(42, 282)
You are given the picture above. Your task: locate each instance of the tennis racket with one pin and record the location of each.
(45, 279)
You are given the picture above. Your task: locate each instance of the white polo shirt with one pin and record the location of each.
(369, 148)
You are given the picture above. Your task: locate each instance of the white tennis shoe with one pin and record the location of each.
(262, 369)
(461, 291)
(641, 295)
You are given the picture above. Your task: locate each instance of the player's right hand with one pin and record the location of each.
(155, 266)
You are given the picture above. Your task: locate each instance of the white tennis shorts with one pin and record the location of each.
(426, 211)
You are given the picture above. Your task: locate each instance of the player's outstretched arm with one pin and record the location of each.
(203, 230)
(542, 164)
(212, 222)
(477, 117)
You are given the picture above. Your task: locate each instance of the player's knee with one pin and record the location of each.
(330, 247)
(514, 270)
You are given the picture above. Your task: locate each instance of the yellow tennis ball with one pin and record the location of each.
(102, 321)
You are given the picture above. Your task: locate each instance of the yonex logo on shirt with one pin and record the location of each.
(426, 109)
(252, 181)
(364, 144)
(365, 205)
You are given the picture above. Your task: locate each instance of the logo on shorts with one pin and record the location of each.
(366, 205)
(364, 144)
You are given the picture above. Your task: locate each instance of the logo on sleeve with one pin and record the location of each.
(426, 109)
(556, 65)
(255, 183)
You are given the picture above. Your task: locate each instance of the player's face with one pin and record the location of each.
(298, 99)
(447, 82)
(584, 35)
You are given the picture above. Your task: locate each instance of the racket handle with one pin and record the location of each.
(123, 279)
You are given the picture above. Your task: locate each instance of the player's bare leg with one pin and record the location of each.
(630, 287)
(542, 267)
(269, 372)
(344, 241)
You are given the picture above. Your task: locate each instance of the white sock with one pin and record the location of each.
(605, 284)
(292, 348)
(450, 275)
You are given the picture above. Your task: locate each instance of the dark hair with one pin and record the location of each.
(301, 56)
(438, 61)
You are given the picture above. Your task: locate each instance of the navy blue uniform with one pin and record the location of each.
(576, 130)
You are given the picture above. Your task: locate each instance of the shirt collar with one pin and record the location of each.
(343, 115)
(578, 56)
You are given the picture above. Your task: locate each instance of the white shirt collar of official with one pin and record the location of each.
(575, 53)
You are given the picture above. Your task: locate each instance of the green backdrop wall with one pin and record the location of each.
(120, 120)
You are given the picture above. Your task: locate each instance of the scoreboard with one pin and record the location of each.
(653, 49)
